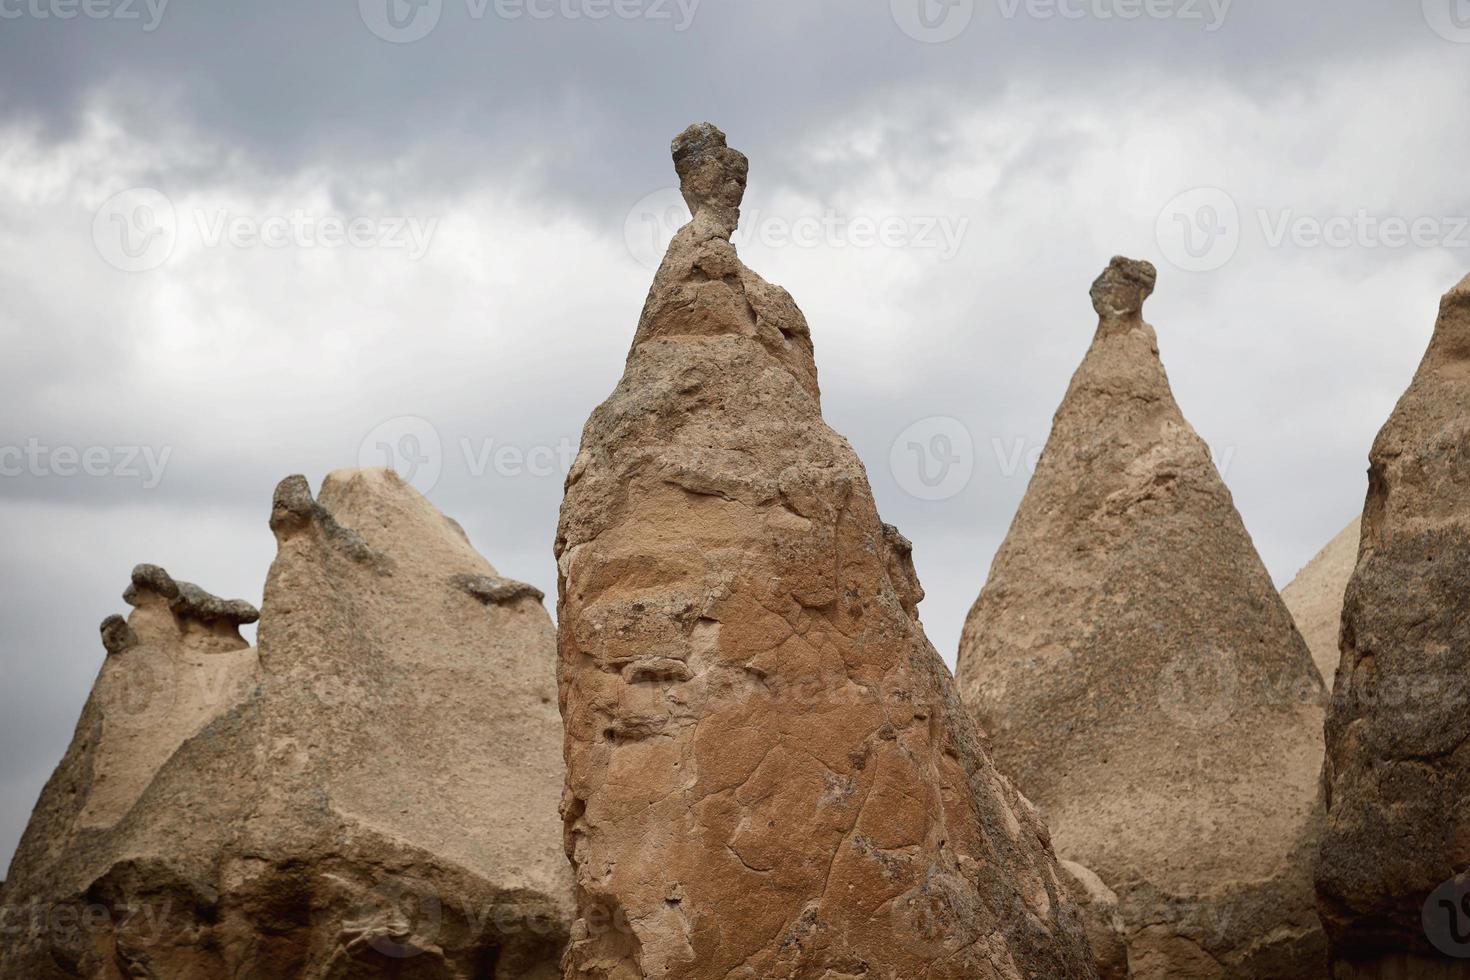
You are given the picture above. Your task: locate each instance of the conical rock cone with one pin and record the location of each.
(1138, 676)
(769, 772)
(1395, 870)
(1315, 598)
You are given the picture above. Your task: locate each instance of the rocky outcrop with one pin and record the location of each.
(371, 793)
(769, 772)
(1395, 865)
(1140, 679)
(1315, 598)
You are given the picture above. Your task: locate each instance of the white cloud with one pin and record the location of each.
(253, 362)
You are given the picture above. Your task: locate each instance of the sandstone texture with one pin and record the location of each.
(370, 793)
(1138, 676)
(1396, 852)
(1315, 598)
(769, 772)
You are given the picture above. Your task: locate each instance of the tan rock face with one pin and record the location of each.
(1138, 676)
(1395, 861)
(1315, 598)
(769, 773)
(370, 794)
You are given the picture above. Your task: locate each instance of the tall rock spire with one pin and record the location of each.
(769, 772)
(1395, 865)
(1138, 676)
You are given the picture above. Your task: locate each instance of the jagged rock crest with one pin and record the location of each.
(369, 794)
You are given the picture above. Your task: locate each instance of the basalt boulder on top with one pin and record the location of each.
(770, 775)
(1138, 676)
(369, 794)
(1394, 878)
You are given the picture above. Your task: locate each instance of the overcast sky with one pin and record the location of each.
(240, 241)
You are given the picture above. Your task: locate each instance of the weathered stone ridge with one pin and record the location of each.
(1398, 729)
(370, 794)
(1140, 679)
(769, 772)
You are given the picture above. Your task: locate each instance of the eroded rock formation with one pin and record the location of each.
(1139, 678)
(1395, 865)
(769, 772)
(1315, 598)
(370, 794)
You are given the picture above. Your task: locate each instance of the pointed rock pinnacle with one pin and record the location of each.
(1123, 286)
(711, 175)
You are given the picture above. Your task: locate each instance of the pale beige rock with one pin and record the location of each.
(1398, 730)
(1315, 598)
(1138, 676)
(371, 794)
(769, 772)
